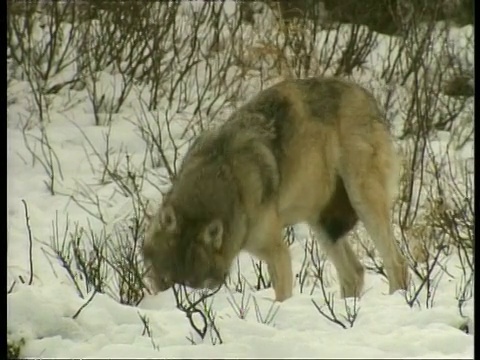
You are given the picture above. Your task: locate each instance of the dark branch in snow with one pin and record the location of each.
(30, 242)
(85, 304)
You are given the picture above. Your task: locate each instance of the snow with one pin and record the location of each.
(385, 328)
(46, 313)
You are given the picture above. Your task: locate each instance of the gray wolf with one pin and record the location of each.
(315, 150)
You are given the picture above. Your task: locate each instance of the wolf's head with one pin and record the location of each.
(201, 225)
(184, 249)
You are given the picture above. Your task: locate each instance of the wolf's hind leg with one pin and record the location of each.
(350, 270)
(367, 181)
(335, 221)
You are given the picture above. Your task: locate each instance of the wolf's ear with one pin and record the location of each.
(167, 219)
(213, 234)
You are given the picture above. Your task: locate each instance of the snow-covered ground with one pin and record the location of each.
(56, 174)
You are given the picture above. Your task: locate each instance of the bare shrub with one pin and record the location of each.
(147, 330)
(328, 310)
(305, 46)
(262, 276)
(117, 44)
(98, 263)
(48, 158)
(270, 315)
(422, 76)
(199, 312)
(126, 261)
(427, 190)
(42, 41)
(241, 308)
(85, 267)
(155, 128)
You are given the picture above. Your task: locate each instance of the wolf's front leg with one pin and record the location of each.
(277, 257)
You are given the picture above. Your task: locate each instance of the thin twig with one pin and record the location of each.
(30, 242)
(85, 304)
